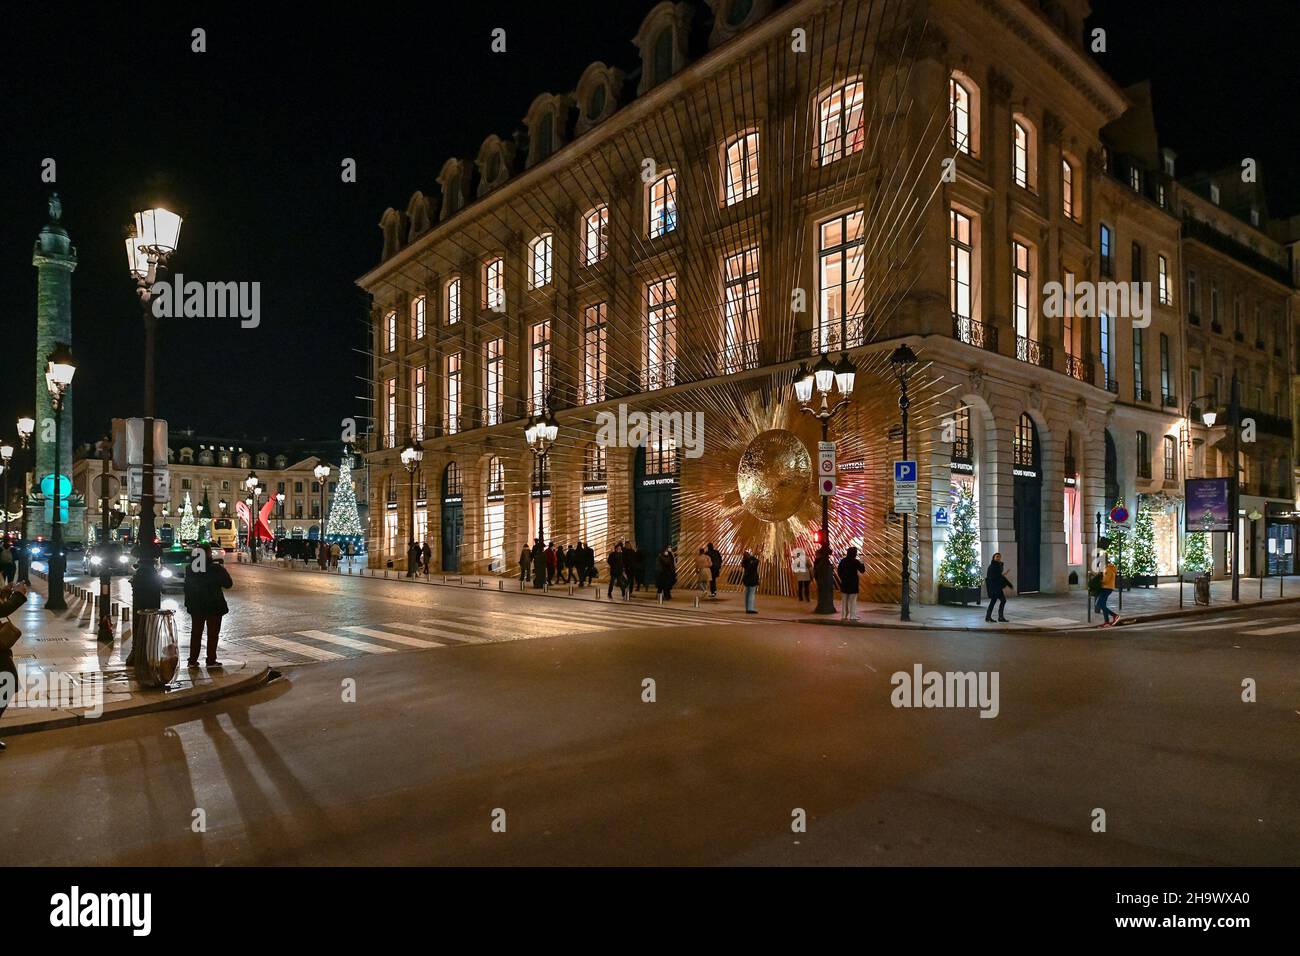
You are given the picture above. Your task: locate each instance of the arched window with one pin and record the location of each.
(962, 447)
(205, 457)
(494, 284)
(961, 122)
(596, 104)
(452, 484)
(187, 456)
(539, 261)
(451, 301)
(1024, 447)
(1024, 153)
(225, 459)
(840, 122)
(496, 477)
(661, 205)
(418, 317)
(740, 168)
(595, 235)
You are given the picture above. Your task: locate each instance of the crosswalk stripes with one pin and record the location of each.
(464, 626)
(1291, 628)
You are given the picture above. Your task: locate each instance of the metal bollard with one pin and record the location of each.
(126, 614)
(1261, 587)
(661, 597)
(501, 585)
(480, 582)
(697, 600)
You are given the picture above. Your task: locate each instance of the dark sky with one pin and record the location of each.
(246, 139)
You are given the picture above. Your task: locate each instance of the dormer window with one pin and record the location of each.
(596, 95)
(281, 461)
(187, 456)
(546, 135)
(663, 55)
(596, 103)
(730, 17)
(263, 459)
(661, 41)
(1135, 179)
(452, 181)
(494, 159)
(738, 12)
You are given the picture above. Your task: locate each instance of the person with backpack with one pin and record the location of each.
(205, 584)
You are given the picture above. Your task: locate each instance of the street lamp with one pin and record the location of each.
(150, 241)
(411, 457)
(59, 370)
(6, 456)
(322, 472)
(253, 491)
(279, 498)
(540, 433)
(903, 361)
(826, 378)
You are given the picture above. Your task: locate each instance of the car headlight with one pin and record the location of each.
(166, 573)
(96, 559)
(122, 559)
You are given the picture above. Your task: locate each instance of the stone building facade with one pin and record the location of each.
(779, 180)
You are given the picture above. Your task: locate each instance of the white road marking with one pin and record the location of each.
(1291, 628)
(347, 642)
(395, 638)
(306, 650)
(439, 632)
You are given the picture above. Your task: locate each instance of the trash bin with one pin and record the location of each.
(156, 650)
(1202, 588)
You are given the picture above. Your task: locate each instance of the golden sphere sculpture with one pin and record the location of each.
(774, 475)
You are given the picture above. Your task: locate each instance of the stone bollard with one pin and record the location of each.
(697, 600)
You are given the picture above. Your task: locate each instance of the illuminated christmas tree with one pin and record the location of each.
(1144, 541)
(960, 567)
(344, 523)
(189, 526)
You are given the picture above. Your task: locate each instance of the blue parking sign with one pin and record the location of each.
(905, 471)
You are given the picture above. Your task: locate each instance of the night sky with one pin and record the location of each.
(246, 141)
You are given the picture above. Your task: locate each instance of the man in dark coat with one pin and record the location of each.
(715, 567)
(666, 573)
(412, 559)
(615, 562)
(205, 599)
(539, 563)
(12, 597)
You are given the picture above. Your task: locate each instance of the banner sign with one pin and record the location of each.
(1208, 501)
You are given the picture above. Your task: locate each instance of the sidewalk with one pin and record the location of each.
(1030, 612)
(68, 677)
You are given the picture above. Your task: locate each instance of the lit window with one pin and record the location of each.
(1165, 289)
(1021, 286)
(493, 383)
(740, 171)
(840, 282)
(540, 383)
(1135, 179)
(451, 301)
(660, 334)
(451, 405)
(494, 285)
(390, 330)
(1067, 189)
(390, 424)
(840, 122)
(595, 235)
(1107, 242)
(959, 105)
(662, 205)
(419, 399)
(1020, 155)
(417, 317)
(539, 261)
(593, 354)
(740, 318)
(961, 252)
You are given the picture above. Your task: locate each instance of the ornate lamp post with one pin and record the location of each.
(903, 361)
(826, 378)
(540, 434)
(279, 499)
(59, 370)
(151, 239)
(411, 456)
(322, 472)
(6, 456)
(253, 491)
(26, 425)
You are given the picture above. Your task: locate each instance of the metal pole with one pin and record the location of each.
(6, 498)
(146, 587)
(410, 569)
(105, 630)
(54, 600)
(1234, 422)
(905, 613)
(825, 581)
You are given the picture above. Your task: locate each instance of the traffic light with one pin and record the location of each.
(115, 518)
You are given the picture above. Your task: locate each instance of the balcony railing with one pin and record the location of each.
(1080, 368)
(663, 375)
(1112, 385)
(1216, 326)
(1141, 394)
(973, 332)
(1204, 232)
(1267, 423)
(1169, 401)
(592, 392)
(1033, 351)
(737, 358)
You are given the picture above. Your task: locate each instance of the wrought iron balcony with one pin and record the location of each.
(737, 358)
(1141, 394)
(973, 332)
(1080, 368)
(663, 375)
(1033, 351)
(1169, 400)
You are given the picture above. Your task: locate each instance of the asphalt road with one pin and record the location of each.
(750, 723)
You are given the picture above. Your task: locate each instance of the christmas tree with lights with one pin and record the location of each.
(1144, 560)
(1196, 549)
(960, 567)
(344, 523)
(189, 526)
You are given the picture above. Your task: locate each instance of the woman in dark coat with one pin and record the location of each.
(996, 583)
(205, 599)
(666, 573)
(12, 597)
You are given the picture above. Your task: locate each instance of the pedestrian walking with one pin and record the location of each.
(996, 586)
(525, 561)
(412, 559)
(703, 567)
(749, 579)
(1109, 574)
(335, 553)
(615, 561)
(8, 566)
(426, 555)
(12, 597)
(849, 569)
(715, 568)
(205, 600)
(802, 574)
(665, 573)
